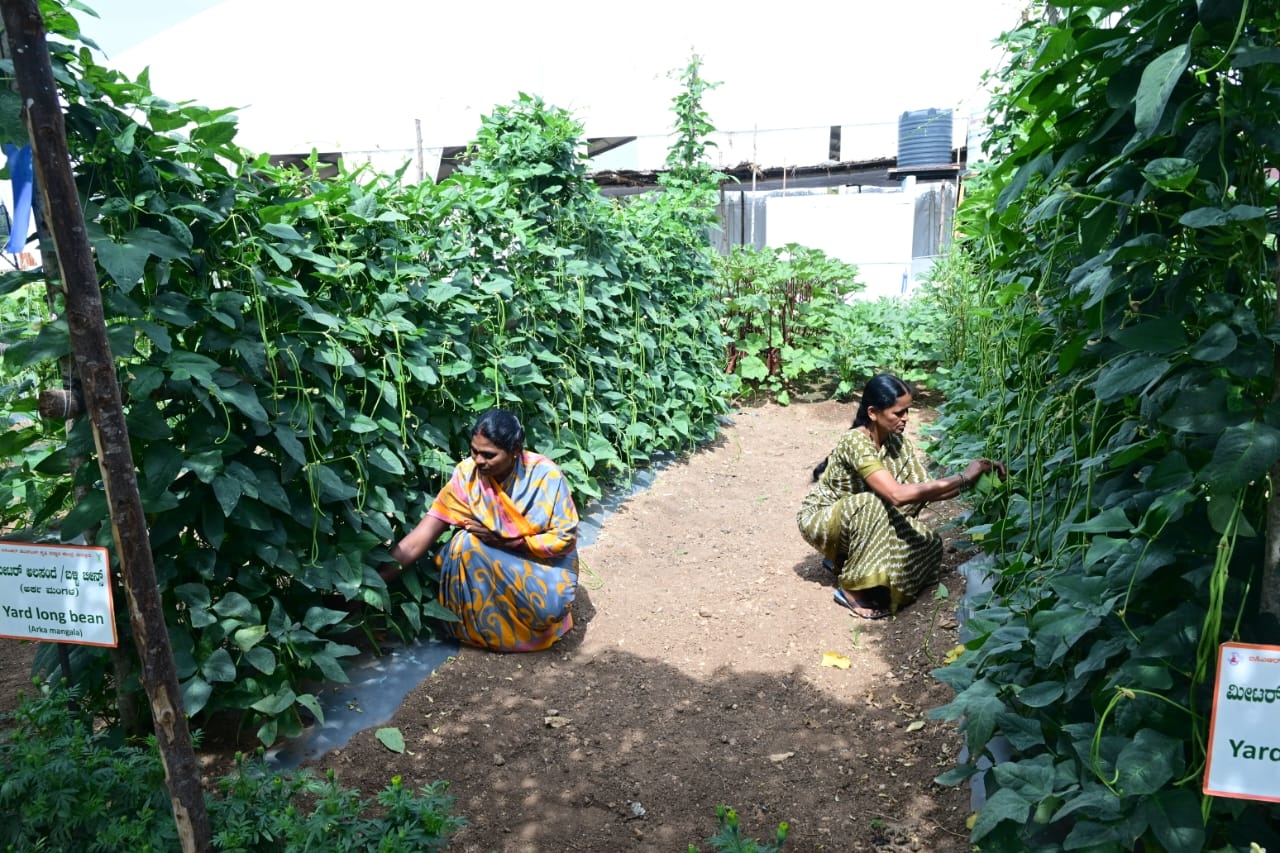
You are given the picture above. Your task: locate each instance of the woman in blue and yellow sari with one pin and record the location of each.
(510, 571)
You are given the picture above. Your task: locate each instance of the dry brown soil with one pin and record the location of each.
(700, 673)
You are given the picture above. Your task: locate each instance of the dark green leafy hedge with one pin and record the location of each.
(302, 358)
(1116, 331)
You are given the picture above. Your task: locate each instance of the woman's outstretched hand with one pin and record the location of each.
(978, 467)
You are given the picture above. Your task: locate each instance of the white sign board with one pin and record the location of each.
(1244, 731)
(56, 593)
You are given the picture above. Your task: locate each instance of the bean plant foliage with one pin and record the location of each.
(796, 321)
(1120, 245)
(302, 358)
(784, 314)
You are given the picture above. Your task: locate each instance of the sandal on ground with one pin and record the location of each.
(860, 610)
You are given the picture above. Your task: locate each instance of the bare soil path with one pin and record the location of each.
(698, 674)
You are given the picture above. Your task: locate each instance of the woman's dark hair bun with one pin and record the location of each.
(880, 392)
(502, 428)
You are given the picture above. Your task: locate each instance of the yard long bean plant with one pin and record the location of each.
(302, 357)
(1114, 316)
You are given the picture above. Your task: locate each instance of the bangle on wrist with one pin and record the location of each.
(964, 481)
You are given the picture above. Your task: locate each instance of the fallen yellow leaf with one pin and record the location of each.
(839, 661)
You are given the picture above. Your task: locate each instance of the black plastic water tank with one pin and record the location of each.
(924, 138)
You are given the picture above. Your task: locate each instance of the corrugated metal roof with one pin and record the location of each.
(881, 172)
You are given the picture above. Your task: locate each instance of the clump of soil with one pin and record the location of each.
(709, 666)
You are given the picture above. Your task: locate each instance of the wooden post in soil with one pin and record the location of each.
(1270, 592)
(94, 363)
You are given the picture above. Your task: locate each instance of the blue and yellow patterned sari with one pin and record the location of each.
(506, 600)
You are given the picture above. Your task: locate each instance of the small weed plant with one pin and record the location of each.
(729, 839)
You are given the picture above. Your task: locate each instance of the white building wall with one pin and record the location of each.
(871, 230)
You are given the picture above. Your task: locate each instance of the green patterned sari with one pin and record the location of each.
(871, 543)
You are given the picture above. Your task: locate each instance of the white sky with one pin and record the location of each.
(355, 76)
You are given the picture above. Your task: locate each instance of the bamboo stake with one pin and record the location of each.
(1270, 592)
(96, 367)
(417, 126)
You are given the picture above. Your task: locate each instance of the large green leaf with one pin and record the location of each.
(91, 511)
(1129, 374)
(1094, 800)
(1201, 409)
(1033, 779)
(1161, 335)
(1037, 167)
(219, 667)
(331, 485)
(270, 491)
(183, 365)
(278, 702)
(1215, 344)
(53, 341)
(980, 706)
(290, 444)
(327, 662)
(161, 464)
(243, 397)
(1204, 217)
(318, 618)
(284, 231)
(1041, 695)
(1149, 762)
(233, 605)
(1244, 454)
(1108, 521)
(1004, 804)
(1023, 732)
(155, 243)
(1095, 837)
(228, 491)
(391, 738)
(196, 693)
(1174, 816)
(1057, 631)
(1171, 173)
(1250, 55)
(1096, 284)
(146, 423)
(753, 367)
(436, 610)
(1158, 81)
(124, 262)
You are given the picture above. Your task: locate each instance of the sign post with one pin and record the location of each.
(56, 594)
(1243, 760)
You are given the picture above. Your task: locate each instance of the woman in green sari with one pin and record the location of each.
(863, 511)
